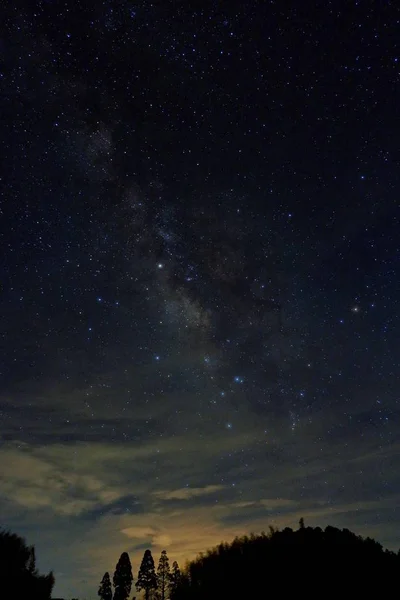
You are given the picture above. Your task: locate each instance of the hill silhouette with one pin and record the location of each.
(309, 561)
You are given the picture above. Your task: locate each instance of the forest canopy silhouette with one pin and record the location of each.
(308, 560)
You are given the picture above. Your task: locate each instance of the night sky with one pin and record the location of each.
(200, 255)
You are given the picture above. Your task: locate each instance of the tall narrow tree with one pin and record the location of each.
(174, 578)
(105, 590)
(147, 578)
(163, 575)
(31, 566)
(123, 578)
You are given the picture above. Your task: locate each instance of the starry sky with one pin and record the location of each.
(199, 296)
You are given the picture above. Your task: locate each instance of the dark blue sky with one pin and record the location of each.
(199, 287)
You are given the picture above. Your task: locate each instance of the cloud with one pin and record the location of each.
(187, 493)
(77, 478)
(34, 480)
(268, 503)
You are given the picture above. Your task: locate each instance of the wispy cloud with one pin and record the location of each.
(35, 480)
(187, 493)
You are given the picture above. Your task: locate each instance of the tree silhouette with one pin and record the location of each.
(174, 578)
(147, 578)
(163, 575)
(31, 566)
(123, 578)
(105, 591)
(18, 573)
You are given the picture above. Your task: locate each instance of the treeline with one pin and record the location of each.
(308, 561)
(159, 584)
(19, 576)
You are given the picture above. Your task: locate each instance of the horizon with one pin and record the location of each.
(182, 565)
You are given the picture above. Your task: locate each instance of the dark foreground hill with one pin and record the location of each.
(310, 561)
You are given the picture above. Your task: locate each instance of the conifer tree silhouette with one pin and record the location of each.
(174, 577)
(163, 575)
(147, 578)
(123, 578)
(105, 590)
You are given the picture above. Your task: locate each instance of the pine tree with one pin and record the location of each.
(105, 591)
(122, 579)
(147, 578)
(174, 577)
(163, 575)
